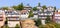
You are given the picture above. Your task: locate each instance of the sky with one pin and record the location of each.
(30, 2)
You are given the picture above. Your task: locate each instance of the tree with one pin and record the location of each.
(48, 20)
(6, 22)
(15, 7)
(34, 8)
(44, 7)
(39, 4)
(5, 8)
(30, 14)
(38, 22)
(51, 26)
(6, 26)
(17, 26)
(57, 25)
(54, 8)
(47, 26)
(43, 26)
(20, 7)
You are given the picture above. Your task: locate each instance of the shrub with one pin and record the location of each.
(17, 26)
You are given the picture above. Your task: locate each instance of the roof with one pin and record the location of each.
(49, 7)
(24, 11)
(57, 12)
(12, 12)
(28, 6)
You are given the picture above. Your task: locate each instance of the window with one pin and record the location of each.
(17, 18)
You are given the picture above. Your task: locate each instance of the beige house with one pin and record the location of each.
(2, 18)
(28, 24)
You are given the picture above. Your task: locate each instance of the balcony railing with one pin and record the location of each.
(13, 19)
(12, 15)
(1, 19)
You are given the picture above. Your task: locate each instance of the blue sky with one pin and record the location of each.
(31, 2)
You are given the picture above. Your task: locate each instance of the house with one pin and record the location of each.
(39, 8)
(28, 23)
(28, 7)
(44, 15)
(57, 16)
(24, 14)
(50, 8)
(2, 18)
(35, 13)
(49, 11)
(13, 18)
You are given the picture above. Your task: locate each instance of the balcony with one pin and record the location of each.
(45, 14)
(13, 19)
(57, 14)
(13, 15)
(1, 19)
(1, 15)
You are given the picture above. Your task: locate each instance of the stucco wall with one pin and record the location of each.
(1, 23)
(13, 23)
(4, 18)
(24, 16)
(35, 16)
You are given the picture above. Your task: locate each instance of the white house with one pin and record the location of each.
(50, 8)
(43, 14)
(24, 14)
(28, 7)
(57, 16)
(43, 22)
(13, 18)
(35, 14)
